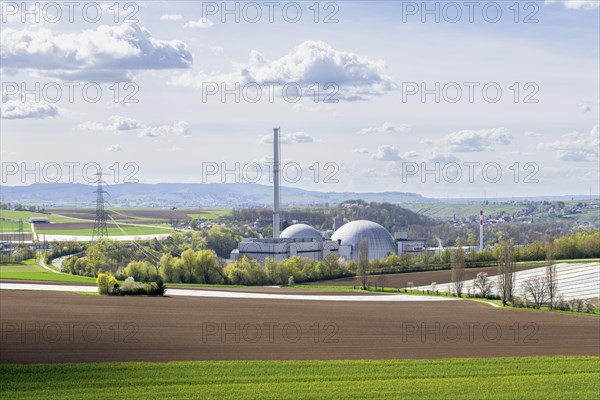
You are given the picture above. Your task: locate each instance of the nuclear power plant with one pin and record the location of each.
(305, 241)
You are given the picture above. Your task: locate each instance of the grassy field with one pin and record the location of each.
(13, 226)
(491, 378)
(24, 215)
(30, 270)
(126, 230)
(210, 214)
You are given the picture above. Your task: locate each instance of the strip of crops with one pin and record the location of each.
(494, 378)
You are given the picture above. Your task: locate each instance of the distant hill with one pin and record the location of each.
(188, 195)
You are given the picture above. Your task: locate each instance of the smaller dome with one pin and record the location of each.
(301, 231)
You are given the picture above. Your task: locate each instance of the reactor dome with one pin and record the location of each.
(301, 231)
(381, 242)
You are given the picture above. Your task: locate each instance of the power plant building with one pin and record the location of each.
(380, 242)
(282, 248)
(305, 241)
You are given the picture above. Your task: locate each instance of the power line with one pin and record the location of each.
(100, 229)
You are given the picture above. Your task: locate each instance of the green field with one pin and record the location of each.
(125, 230)
(31, 270)
(210, 214)
(24, 215)
(13, 226)
(486, 378)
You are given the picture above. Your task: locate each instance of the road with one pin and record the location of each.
(234, 295)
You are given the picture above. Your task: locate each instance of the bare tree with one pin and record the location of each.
(458, 269)
(551, 282)
(506, 271)
(483, 284)
(536, 289)
(363, 263)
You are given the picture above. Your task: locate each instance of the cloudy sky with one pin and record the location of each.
(448, 101)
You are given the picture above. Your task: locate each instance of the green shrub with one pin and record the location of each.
(106, 283)
(132, 288)
(518, 302)
(561, 304)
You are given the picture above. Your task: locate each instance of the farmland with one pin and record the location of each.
(31, 270)
(589, 214)
(79, 222)
(144, 216)
(417, 278)
(86, 229)
(24, 215)
(180, 347)
(181, 328)
(525, 377)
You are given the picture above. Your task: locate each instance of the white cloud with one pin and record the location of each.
(93, 54)
(120, 124)
(431, 157)
(15, 105)
(356, 77)
(117, 124)
(481, 140)
(361, 150)
(576, 4)
(386, 153)
(387, 127)
(202, 23)
(179, 128)
(14, 109)
(171, 17)
(575, 146)
(443, 158)
(412, 154)
(113, 148)
(288, 138)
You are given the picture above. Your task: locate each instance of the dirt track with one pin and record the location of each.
(246, 289)
(65, 327)
(417, 278)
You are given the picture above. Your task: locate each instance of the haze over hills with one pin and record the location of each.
(197, 195)
(188, 195)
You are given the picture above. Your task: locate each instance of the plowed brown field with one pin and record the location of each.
(45, 327)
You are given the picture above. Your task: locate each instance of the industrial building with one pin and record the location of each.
(282, 248)
(38, 220)
(380, 242)
(305, 241)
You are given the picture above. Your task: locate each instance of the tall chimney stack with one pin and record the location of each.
(276, 188)
(480, 230)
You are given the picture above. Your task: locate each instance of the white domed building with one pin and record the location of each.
(301, 231)
(381, 243)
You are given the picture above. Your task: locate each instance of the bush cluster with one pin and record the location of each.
(247, 271)
(108, 285)
(576, 305)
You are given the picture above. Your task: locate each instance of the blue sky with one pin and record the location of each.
(375, 135)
